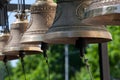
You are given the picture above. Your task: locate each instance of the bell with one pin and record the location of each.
(13, 46)
(42, 15)
(103, 12)
(3, 40)
(67, 26)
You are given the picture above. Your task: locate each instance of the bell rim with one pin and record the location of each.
(27, 50)
(33, 39)
(8, 57)
(54, 37)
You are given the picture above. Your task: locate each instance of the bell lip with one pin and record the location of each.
(8, 57)
(66, 36)
(108, 19)
(33, 39)
(27, 50)
(1, 57)
(11, 57)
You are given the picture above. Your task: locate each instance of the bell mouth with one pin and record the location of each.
(25, 50)
(102, 15)
(57, 39)
(70, 36)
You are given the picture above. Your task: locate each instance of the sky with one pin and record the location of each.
(12, 19)
(11, 14)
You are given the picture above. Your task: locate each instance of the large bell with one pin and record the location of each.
(42, 15)
(103, 12)
(13, 46)
(67, 26)
(3, 40)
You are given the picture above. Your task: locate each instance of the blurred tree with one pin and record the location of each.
(3, 71)
(114, 52)
(36, 67)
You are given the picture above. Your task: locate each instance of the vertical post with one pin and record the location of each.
(104, 62)
(66, 62)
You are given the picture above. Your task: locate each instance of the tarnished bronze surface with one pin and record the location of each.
(14, 46)
(3, 40)
(67, 27)
(42, 15)
(103, 12)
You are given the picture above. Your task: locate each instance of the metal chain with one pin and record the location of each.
(22, 63)
(7, 70)
(5, 63)
(18, 6)
(46, 58)
(7, 22)
(48, 72)
(23, 6)
(44, 47)
(85, 61)
(81, 44)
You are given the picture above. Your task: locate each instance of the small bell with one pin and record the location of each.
(67, 26)
(3, 39)
(13, 46)
(103, 12)
(42, 15)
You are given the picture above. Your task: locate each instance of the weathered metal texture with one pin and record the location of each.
(13, 46)
(103, 12)
(42, 15)
(3, 40)
(67, 26)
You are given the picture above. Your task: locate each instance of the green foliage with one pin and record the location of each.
(36, 67)
(3, 71)
(114, 51)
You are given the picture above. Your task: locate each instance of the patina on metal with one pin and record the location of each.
(103, 12)
(14, 46)
(3, 40)
(42, 15)
(67, 26)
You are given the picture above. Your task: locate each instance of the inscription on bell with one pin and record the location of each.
(111, 9)
(37, 9)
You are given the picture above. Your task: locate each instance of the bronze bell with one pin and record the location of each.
(103, 12)
(67, 26)
(13, 46)
(42, 15)
(3, 39)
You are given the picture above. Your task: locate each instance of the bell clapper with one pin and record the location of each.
(44, 47)
(5, 63)
(21, 55)
(81, 44)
